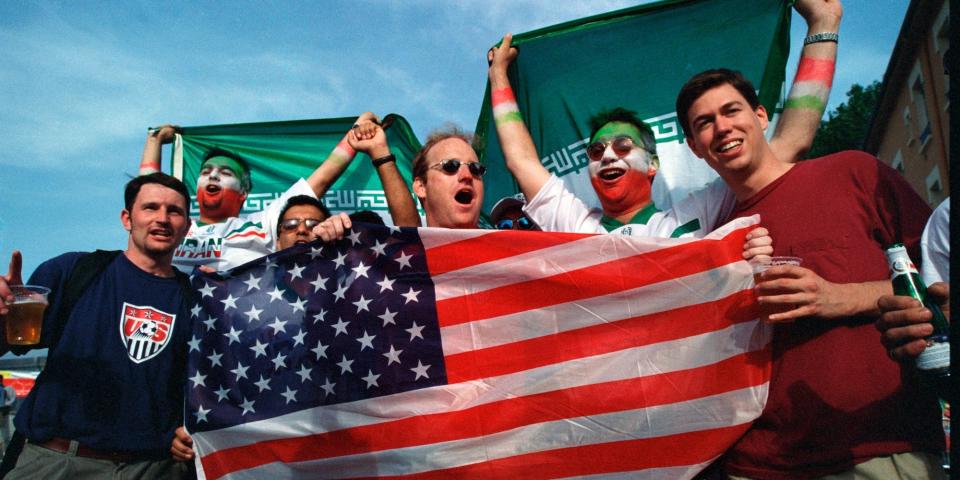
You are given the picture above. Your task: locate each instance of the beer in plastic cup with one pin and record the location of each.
(26, 314)
(760, 266)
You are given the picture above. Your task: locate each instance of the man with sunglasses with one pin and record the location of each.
(298, 218)
(622, 150)
(448, 180)
(507, 214)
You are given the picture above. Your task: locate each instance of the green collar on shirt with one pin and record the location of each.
(641, 218)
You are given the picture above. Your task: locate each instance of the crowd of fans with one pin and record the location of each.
(844, 397)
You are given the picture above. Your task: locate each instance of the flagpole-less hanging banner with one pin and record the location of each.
(392, 353)
(636, 58)
(279, 153)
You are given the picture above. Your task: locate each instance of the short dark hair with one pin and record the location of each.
(367, 216)
(303, 200)
(708, 80)
(245, 181)
(620, 114)
(133, 187)
(435, 137)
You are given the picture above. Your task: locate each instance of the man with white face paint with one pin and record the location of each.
(622, 150)
(222, 238)
(623, 162)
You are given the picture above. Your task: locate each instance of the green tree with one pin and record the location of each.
(846, 127)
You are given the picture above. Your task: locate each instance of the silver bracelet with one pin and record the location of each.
(822, 37)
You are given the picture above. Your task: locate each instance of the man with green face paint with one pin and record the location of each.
(623, 162)
(622, 149)
(222, 238)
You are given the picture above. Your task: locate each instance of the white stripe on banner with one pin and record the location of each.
(693, 415)
(545, 262)
(699, 288)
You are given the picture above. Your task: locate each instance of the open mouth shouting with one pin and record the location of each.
(611, 174)
(213, 189)
(465, 196)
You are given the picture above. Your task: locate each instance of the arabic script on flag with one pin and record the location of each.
(433, 353)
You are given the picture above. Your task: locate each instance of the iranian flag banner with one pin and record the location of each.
(279, 153)
(636, 58)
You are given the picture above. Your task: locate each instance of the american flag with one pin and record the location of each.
(433, 353)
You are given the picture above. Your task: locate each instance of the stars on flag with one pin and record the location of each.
(313, 325)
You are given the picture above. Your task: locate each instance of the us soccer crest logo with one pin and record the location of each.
(145, 330)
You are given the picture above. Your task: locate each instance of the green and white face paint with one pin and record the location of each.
(220, 191)
(621, 183)
(224, 171)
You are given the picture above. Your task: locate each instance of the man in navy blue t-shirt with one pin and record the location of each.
(111, 396)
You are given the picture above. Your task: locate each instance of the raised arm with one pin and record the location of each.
(811, 87)
(330, 170)
(157, 137)
(518, 149)
(369, 137)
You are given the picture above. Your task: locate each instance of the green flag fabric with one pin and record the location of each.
(637, 58)
(280, 153)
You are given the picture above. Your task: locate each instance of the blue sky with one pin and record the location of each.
(82, 81)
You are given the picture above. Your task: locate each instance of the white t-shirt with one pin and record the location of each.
(935, 246)
(556, 209)
(236, 240)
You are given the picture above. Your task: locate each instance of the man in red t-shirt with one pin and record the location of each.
(837, 403)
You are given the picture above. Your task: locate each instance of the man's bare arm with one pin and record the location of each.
(519, 152)
(369, 137)
(811, 87)
(811, 295)
(336, 162)
(156, 138)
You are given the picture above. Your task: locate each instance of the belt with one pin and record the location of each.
(62, 445)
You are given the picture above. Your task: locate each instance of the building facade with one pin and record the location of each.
(910, 130)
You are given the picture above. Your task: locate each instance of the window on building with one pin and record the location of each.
(919, 100)
(908, 125)
(934, 187)
(941, 42)
(897, 162)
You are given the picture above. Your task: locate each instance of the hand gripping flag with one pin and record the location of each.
(433, 353)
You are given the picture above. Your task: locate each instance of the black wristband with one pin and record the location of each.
(380, 161)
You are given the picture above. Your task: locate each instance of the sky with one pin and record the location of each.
(82, 81)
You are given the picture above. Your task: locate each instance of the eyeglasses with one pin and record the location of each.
(522, 223)
(452, 166)
(622, 146)
(292, 224)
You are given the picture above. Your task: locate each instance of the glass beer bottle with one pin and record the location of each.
(935, 360)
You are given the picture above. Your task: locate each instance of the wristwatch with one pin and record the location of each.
(380, 161)
(822, 37)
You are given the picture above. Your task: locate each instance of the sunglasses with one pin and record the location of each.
(622, 146)
(452, 166)
(522, 223)
(292, 224)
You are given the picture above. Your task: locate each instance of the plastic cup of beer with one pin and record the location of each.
(762, 264)
(26, 314)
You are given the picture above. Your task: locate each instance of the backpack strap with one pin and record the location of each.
(87, 268)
